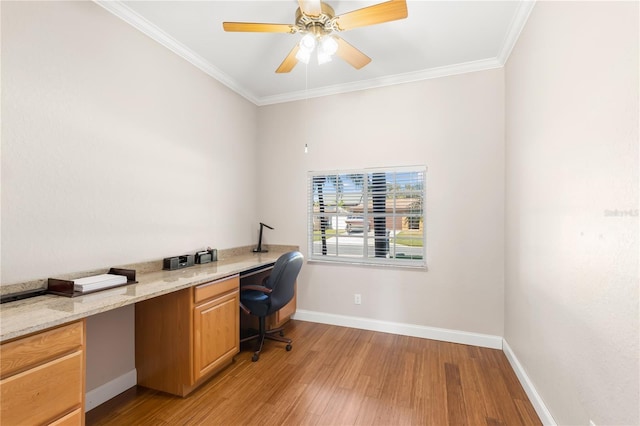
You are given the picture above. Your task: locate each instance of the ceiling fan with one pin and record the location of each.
(317, 21)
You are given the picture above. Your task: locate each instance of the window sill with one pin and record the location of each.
(422, 267)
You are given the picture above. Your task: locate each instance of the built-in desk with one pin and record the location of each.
(43, 338)
(40, 313)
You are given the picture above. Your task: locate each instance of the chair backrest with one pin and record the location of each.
(282, 279)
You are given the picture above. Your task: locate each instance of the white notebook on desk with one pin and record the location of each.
(98, 282)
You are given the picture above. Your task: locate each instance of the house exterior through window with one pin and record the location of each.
(370, 216)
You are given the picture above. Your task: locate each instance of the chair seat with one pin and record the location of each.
(253, 296)
(256, 301)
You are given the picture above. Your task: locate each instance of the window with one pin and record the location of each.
(371, 216)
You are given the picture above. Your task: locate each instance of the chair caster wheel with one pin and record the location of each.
(288, 348)
(255, 357)
(281, 333)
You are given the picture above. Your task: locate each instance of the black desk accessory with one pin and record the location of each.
(12, 297)
(259, 248)
(206, 256)
(177, 262)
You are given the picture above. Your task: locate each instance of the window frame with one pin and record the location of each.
(386, 246)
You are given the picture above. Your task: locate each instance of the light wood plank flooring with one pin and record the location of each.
(341, 376)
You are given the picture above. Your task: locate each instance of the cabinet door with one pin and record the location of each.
(216, 326)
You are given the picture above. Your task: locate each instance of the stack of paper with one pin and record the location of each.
(98, 282)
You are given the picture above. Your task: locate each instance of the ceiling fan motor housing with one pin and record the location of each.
(319, 25)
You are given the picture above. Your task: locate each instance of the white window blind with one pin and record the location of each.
(370, 216)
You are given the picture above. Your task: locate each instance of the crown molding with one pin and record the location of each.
(515, 28)
(140, 23)
(131, 17)
(449, 70)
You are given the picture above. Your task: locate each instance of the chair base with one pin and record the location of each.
(264, 334)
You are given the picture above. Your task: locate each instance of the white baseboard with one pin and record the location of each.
(115, 387)
(442, 334)
(534, 397)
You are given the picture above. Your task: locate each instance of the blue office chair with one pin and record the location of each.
(275, 292)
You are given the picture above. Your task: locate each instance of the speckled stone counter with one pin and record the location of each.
(38, 313)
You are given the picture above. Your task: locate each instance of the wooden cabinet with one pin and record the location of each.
(283, 315)
(216, 333)
(42, 377)
(185, 337)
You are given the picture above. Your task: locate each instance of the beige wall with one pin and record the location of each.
(110, 343)
(454, 126)
(572, 161)
(114, 150)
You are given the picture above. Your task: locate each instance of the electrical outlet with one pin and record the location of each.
(357, 299)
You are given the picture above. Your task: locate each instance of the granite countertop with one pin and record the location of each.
(26, 316)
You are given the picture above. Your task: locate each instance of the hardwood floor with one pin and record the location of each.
(341, 376)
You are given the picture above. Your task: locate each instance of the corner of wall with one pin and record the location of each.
(536, 400)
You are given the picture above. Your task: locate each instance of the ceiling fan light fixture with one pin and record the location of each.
(329, 45)
(303, 56)
(308, 43)
(323, 57)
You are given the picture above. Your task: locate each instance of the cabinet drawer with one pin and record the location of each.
(43, 393)
(74, 418)
(216, 288)
(21, 354)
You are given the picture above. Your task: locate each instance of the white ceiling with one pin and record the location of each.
(438, 38)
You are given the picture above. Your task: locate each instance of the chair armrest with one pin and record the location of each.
(256, 287)
(245, 309)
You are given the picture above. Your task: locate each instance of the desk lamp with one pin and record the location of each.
(259, 248)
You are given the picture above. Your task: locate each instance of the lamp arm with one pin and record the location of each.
(259, 248)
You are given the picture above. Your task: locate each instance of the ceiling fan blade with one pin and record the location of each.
(310, 7)
(376, 14)
(351, 55)
(257, 27)
(289, 62)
